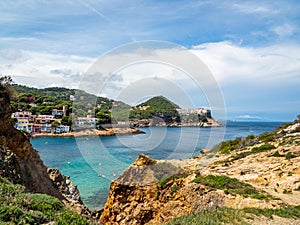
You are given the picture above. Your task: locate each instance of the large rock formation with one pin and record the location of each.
(20, 162)
(154, 191)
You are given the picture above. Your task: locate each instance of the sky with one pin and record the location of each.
(252, 48)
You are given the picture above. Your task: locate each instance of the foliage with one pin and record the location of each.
(216, 216)
(226, 147)
(289, 156)
(43, 101)
(103, 116)
(240, 155)
(263, 148)
(158, 107)
(266, 137)
(5, 87)
(226, 215)
(231, 185)
(19, 207)
(286, 212)
(164, 181)
(174, 188)
(66, 120)
(276, 154)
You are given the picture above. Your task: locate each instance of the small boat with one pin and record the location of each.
(101, 175)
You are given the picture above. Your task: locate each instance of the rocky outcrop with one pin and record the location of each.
(20, 163)
(155, 191)
(151, 191)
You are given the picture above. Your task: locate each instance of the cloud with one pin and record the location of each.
(248, 117)
(284, 30)
(231, 63)
(43, 69)
(254, 8)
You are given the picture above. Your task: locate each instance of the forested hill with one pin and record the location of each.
(160, 102)
(155, 111)
(42, 101)
(156, 107)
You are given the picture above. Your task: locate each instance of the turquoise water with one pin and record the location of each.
(83, 159)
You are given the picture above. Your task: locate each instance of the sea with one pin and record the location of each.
(93, 162)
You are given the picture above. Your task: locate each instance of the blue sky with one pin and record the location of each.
(251, 47)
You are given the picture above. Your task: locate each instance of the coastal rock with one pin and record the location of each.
(143, 160)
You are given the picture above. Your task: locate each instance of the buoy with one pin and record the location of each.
(100, 164)
(69, 163)
(46, 142)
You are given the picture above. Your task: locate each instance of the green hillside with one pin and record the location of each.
(43, 101)
(160, 102)
(156, 107)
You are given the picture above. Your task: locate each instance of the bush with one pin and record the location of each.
(174, 188)
(263, 148)
(266, 137)
(220, 216)
(289, 156)
(231, 186)
(276, 154)
(19, 207)
(226, 147)
(164, 181)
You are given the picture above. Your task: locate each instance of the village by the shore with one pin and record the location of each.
(52, 125)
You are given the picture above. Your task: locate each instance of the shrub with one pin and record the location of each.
(286, 192)
(263, 148)
(231, 185)
(219, 216)
(164, 181)
(289, 155)
(227, 146)
(240, 156)
(266, 136)
(19, 207)
(174, 188)
(276, 154)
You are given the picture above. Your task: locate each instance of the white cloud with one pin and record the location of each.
(254, 8)
(230, 63)
(43, 69)
(284, 30)
(248, 117)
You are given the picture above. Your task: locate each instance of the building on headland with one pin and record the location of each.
(200, 111)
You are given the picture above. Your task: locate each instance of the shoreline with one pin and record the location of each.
(94, 132)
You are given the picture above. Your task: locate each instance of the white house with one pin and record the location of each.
(62, 129)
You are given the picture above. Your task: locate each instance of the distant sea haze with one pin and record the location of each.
(93, 167)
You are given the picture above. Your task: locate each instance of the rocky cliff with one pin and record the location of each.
(21, 164)
(260, 172)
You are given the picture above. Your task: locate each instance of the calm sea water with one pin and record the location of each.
(93, 162)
